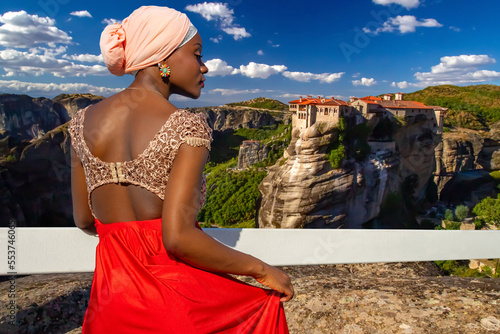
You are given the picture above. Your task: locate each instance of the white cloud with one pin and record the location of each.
(263, 71)
(455, 29)
(405, 24)
(459, 69)
(272, 44)
(39, 61)
(216, 39)
(408, 4)
(237, 32)
(307, 76)
(85, 58)
(18, 87)
(402, 84)
(364, 82)
(288, 96)
(454, 70)
(260, 53)
(110, 21)
(219, 67)
(252, 70)
(224, 91)
(220, 13)
(458, 63)
(81, 13)
(213, 11)
(22, 30)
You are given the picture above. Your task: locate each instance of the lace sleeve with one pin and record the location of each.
(73, 130)
(196, 131)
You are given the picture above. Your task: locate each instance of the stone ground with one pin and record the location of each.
(345, 299)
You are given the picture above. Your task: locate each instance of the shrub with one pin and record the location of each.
(335, 153)
(448, 215)
(488, 210)
(458, 268)
(461, 212)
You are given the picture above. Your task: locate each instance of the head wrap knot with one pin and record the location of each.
(149, 35)
(113, 37)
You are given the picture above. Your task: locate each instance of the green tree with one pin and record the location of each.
(488, 210)
(461, 212)
(448, 215)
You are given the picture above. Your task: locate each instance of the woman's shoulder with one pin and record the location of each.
(190, 118)
(193, 128)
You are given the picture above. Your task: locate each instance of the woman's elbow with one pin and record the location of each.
(174, 244)
(83, 222)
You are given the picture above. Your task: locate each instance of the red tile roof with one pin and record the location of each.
(316, 101)
(371, 98)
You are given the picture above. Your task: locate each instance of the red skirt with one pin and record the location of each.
(139, 288)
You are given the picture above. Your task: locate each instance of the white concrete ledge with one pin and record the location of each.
(65, 250)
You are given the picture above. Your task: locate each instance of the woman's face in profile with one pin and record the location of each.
(187, 69)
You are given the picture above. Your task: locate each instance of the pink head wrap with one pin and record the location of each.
(149, 35)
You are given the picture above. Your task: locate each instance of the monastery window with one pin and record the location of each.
(326, 112)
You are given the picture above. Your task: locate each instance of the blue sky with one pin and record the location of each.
(258, 48)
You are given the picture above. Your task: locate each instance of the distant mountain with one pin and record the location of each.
(261, 102)
(474, 107)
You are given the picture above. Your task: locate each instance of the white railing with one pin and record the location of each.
(65, 250)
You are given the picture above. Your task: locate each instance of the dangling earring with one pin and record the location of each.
(164, 70)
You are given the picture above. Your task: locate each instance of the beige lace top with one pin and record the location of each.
(152, 167)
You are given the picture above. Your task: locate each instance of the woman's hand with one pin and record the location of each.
(277, 280)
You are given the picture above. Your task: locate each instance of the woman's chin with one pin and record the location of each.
(191, 95)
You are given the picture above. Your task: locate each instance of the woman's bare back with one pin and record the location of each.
(119, 129)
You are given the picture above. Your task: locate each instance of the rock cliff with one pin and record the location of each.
(35, 166)
(489, 157)
(251, 152)
(70, 103)
(463, 161)
(227, 118)
(27, 118)
(458, 151)
(35, 189)
(386, 189)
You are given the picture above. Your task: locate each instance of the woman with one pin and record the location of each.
(137, 182)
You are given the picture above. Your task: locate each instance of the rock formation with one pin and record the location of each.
(251, 152)
(458, 151)
(69, 103)
(489, 157)
(226, 118)
(35, 190)
(303, 191)
(27, 118)
(35, 166)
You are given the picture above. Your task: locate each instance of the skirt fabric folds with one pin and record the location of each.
(139, 288)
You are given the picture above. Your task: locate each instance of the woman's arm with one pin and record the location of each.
(81, 211)
(184, 240)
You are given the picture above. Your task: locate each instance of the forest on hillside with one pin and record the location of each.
(472, 107)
